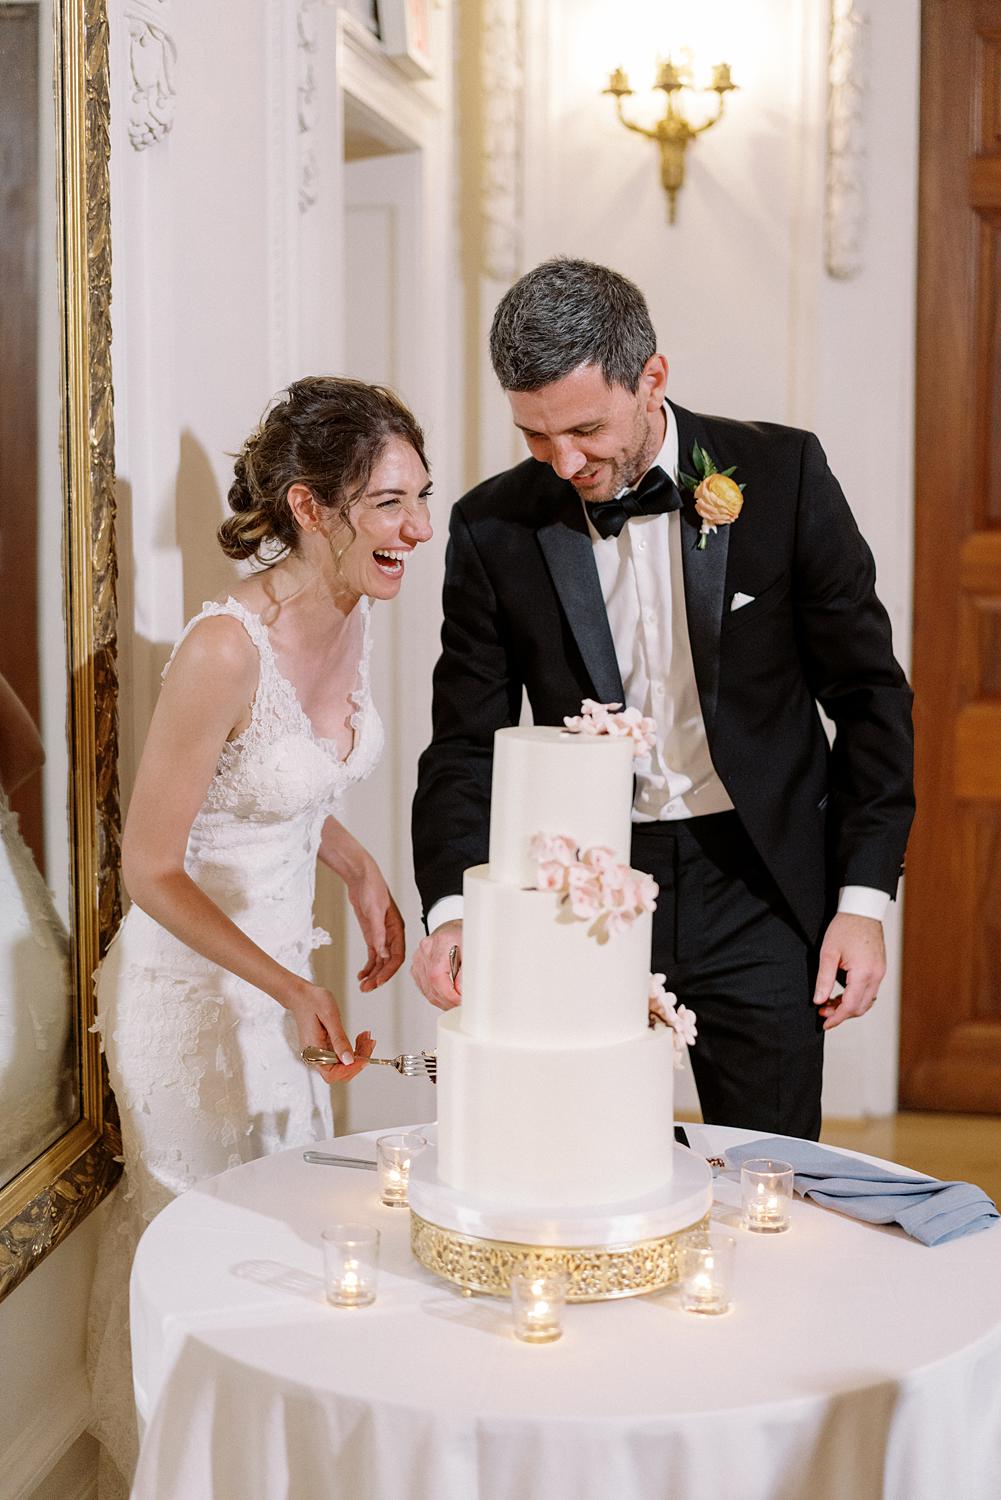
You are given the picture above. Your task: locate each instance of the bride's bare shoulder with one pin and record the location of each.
(217, 646)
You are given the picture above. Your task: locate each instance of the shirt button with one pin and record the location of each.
(651, 617)
(658, 688)
(641, 546)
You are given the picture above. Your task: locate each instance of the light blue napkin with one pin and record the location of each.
(925, 1208)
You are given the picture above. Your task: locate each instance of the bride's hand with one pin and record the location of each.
(378, 914)
(381, 926)
(318, 1022)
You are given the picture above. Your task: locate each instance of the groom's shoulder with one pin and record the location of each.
(515, 495)
(738, 439)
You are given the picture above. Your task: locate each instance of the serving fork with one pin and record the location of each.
(409, 1064)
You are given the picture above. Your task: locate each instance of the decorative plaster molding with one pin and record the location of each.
(306, 37)
(152, 58)
(846, 186)
(500, 164)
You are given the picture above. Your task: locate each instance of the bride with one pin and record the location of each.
(205, 998)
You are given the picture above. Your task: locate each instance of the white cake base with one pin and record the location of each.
(621, 1250)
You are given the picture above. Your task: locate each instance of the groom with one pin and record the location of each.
(586, 572)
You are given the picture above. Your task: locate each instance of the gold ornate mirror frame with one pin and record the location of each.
(40, 1206)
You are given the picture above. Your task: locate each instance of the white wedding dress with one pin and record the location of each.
(205, 1067)
(39, 1097)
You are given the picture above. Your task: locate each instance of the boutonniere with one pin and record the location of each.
(718, 498)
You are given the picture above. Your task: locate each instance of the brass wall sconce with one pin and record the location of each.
(673, 130)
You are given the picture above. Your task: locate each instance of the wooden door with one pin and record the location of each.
(951, 1012)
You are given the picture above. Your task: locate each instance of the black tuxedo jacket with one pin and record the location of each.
(523, 610)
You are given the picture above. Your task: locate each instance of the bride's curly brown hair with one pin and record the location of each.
(325, 432)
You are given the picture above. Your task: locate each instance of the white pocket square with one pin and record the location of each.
(739, 600)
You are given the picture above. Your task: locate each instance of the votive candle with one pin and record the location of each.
(350, 1264)
(705, 1271)
(394, 1154)
(537, 1305)
(766, 1195)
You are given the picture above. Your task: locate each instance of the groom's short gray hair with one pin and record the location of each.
(567, 313)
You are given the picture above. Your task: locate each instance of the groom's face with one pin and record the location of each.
(600, 437)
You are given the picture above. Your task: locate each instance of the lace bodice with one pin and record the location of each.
(279, 765)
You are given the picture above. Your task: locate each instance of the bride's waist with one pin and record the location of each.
(241, 876)
(285, 932)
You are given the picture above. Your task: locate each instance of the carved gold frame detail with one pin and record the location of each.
(40, 1207)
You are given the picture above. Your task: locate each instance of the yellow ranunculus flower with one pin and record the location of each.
(718, 500)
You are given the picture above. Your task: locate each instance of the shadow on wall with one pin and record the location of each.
(200, 507)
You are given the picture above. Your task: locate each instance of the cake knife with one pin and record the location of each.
(321, 1158)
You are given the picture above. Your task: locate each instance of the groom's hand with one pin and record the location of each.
(437, 966)
(855, 945)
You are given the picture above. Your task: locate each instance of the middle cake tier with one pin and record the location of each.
(554, 1127)
(532, 975)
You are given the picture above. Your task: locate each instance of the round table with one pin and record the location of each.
(855, 1363)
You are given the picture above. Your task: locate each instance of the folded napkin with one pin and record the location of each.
(927, 1209)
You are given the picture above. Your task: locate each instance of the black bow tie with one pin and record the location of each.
(653, 496)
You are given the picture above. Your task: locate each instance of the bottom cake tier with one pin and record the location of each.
(554, 1127)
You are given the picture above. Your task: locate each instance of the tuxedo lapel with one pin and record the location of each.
(704, 573)
(569, 553)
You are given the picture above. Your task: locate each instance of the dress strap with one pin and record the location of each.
(251, 623)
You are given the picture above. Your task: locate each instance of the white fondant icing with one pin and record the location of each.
(547, 781)
(532, 975)
(526, 1125)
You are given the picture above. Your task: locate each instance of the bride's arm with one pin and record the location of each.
(377, 913)
(206, 697)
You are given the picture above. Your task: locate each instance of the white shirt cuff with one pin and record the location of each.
(449, 909)
(863, 901)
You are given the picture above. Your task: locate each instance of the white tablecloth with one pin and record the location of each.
(855, 1363)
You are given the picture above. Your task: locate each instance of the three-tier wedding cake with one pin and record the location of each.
(555, 1147)
(552, 1088)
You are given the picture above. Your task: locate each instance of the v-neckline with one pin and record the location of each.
(329, 745)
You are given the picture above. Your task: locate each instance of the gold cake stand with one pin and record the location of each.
(479, 1261)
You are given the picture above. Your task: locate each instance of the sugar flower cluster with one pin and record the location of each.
(592, 884)
(664, 1009)
(606, 718)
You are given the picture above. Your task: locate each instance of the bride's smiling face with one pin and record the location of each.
(390, 521)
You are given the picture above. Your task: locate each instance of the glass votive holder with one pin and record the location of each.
(765, 1195)
(705, 1271)
(350, 1264)
(394, 1154)
(537, 1304)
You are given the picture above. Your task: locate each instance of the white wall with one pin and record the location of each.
(751, 324)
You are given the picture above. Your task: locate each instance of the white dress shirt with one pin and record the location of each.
(645, 602)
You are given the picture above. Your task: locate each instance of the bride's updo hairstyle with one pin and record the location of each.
(323, 432)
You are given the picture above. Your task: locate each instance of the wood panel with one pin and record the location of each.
(951, 1012)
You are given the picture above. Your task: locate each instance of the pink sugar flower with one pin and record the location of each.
(553, 846)
(599, 859)
(610, 719)
(552, 876)
(663, 1007)
(585, 899)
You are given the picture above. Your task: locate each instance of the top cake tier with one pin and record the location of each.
(548, 781)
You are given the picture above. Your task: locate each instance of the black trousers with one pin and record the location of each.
(732, 954)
